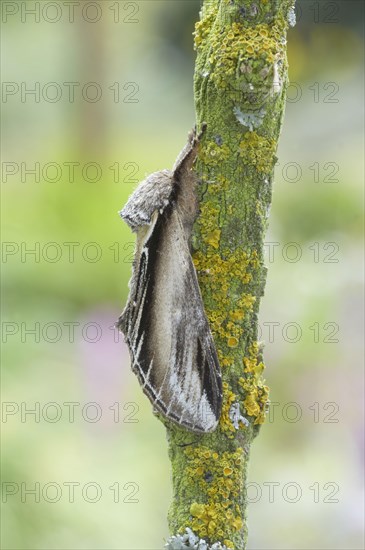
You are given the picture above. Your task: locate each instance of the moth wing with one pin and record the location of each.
(172, 349)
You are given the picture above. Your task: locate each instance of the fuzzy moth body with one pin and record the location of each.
(164, 323)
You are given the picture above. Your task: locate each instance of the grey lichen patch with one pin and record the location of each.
(189, 541)
(236, 417)
(277, 82)
(292, 20)
(250, 120)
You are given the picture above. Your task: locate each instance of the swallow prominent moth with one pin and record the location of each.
(164, 323)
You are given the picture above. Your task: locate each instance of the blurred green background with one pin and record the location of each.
(112, 102)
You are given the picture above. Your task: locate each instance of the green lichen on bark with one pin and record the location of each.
(240, 83)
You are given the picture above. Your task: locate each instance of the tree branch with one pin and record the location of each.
(240, 83)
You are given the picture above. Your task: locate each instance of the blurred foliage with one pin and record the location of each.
(156, 53)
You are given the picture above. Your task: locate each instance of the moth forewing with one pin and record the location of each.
(164, 322)
(138, 273)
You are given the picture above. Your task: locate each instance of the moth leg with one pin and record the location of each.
(152, 194)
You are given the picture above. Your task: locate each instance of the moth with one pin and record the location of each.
(164, 322)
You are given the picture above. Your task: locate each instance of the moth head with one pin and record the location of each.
(152, 195)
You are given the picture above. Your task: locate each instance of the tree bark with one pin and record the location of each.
(240, 83)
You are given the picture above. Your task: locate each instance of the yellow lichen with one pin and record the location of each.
(197, 510)
(256, 47)
(237, 315)
(256, 392)
(213, 238)
(216, 514)
(204, 26)
(215, 272)
(258, 151)
(225, 422)
(214, 154)
(232, 342)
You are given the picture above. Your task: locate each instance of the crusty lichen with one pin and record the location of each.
(228, 305)
(255, 391)
(190, 541)
(213, 154)
(204, 26)
(225, 423)
(242, 47)
(257, 151)
(219, 477)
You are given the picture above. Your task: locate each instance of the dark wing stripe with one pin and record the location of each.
(190, 348)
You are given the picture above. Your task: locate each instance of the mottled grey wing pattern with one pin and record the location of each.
(171, 346)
